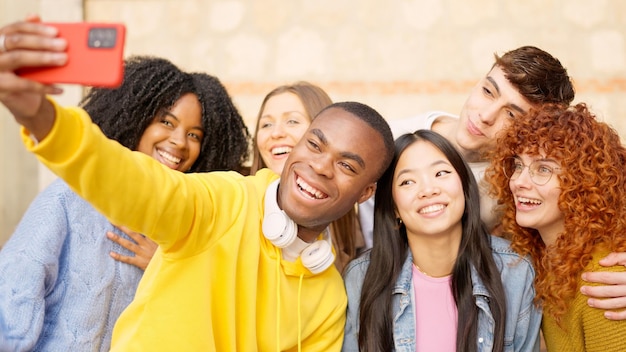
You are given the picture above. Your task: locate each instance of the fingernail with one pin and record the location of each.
(51, 31)
(57, 58)
(59, 43)
(109, 235)
(53, 90)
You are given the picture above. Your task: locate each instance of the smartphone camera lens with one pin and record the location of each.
(102, 37)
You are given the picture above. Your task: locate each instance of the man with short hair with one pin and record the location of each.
(518, 80)
(243, 262)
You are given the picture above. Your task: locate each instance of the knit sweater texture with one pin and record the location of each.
(585, 328)
(59, 288)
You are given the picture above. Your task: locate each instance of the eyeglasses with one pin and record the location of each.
(540, 171)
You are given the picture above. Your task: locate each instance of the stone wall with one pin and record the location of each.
(401, 57)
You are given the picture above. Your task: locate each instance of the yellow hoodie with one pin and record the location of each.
(216, 283)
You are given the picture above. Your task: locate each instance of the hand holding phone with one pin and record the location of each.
(95, 56)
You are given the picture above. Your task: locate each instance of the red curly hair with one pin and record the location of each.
(592, 199)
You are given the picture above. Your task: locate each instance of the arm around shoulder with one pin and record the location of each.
(611, 293)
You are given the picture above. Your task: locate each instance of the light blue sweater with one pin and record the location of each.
(59, 289)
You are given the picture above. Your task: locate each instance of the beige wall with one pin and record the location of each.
(22, 176)
(400, 56)
(18, 178)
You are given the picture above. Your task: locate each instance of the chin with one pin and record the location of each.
(466, 143)
(524, 223)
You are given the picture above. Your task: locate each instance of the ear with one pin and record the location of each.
(367, 193)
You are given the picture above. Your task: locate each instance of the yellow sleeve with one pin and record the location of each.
(130, 188)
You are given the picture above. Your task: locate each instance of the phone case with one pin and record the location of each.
(95, 56)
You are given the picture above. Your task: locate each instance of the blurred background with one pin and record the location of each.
(401, 57)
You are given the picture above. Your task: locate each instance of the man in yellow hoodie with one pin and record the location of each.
(243, 263)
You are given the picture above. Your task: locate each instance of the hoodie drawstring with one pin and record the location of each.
(277, 299)
(278, 305)
(299, 315)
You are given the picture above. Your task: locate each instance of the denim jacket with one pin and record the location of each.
(523, 318)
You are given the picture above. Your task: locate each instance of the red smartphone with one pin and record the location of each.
(95, 56)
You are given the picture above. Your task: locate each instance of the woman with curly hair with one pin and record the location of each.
(284, 116)
(561, 182)
(151, 86)
(59, 289)
(435, 280)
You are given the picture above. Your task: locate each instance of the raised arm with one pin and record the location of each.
(22, 44)
(119, 183)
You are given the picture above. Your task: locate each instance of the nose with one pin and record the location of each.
(278, 131)
(322, 164)
(178, 137)
(428, 189)
(428, 192)
(522, 180)
(489, 114)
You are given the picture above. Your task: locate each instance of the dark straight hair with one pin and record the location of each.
(391, 248)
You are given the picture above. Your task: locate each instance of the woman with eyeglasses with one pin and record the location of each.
(560, 177)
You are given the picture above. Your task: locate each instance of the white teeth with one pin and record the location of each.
(306, 187)
(528, 200)
(281, 150)
(169, 157)
(431, 209)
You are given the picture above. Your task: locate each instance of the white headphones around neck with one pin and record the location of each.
(279, 229)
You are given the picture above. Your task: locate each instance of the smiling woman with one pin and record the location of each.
(562, 189)
(282, 122)
(174, 136)
(425, 283)
(285, 113)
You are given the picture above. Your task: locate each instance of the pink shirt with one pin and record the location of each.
(435, 313)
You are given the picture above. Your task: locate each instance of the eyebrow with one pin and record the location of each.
(348, 155)
(435, 163)
(513, 106)
(542, 159)
(548, 160)
(285, 113)
(169, 113)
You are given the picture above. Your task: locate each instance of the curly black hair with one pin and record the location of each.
(152, 85)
